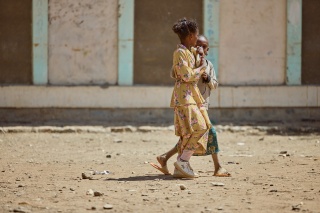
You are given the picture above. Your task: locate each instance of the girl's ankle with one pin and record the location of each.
(180, 159)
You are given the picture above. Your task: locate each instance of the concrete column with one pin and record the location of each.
(40, 41)
(294, 36)
(211, 12)
(125, 42)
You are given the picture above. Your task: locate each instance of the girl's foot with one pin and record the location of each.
(163, 165)
(162, 160)
(178, 174)
(221, 172)
(185, 169)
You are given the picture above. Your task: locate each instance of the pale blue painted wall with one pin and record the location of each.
(211, 11)
(40, 41)
(294, 37)
(125, 42)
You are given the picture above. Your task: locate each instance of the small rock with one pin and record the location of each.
(87, 175)
(240, 144)
(283, 152)
(21, 210)
(273, 190)
(97, 193)
(90, 192)
(183, 187)
(297, 207)
(107, 206)
(217, 184)
(108, 156)
(93, 208)
(105, 172)
(220, 208)
(72, 189)
(117, 140)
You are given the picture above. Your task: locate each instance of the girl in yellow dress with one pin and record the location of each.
(205, 85)
(191, 120)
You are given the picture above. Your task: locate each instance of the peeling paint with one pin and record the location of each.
(252, 42)
(82, 38)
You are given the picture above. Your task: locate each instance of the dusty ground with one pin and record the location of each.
(41, 172)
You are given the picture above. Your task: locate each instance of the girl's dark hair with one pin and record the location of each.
(184, 27)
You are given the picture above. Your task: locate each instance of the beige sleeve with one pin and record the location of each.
(213, 84)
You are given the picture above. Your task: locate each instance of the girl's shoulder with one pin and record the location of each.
(180, 51)
(209, 63)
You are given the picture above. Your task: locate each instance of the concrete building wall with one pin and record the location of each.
(252, 42)
(83, 42)
(154, 40)
(83, 50)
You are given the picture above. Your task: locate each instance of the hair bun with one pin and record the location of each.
(184, 27)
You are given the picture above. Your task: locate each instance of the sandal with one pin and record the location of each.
(163, 169)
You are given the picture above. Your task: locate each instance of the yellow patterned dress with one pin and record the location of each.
(191, 120)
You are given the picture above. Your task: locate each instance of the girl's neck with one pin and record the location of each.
(188, 46)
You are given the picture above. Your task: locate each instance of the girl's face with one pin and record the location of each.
(202, 42)
(193, 37)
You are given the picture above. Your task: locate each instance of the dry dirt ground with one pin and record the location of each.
(41, 171)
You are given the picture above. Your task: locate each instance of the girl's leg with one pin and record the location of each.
(218, 170)
(162, 159)
(186, 155)
(188, 146)
(216, 162)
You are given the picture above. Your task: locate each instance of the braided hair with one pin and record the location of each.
(184, 27)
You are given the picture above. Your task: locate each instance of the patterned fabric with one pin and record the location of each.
(212, 145)
(192, 127)
(182, 116)
(185, 90)
(191, 120)
(205, 88)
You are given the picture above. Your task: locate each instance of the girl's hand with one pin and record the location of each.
(200, 51)
(204, 76)
(202, 61)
